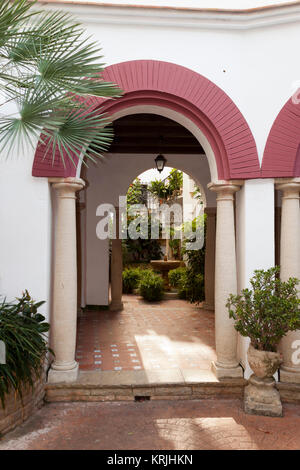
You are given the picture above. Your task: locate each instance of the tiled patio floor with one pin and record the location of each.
(172, 334)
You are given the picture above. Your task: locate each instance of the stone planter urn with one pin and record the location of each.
(261, 395)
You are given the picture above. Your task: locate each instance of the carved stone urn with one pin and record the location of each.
(261, 395)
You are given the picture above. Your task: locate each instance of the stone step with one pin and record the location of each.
(89, 388)
(289, 392)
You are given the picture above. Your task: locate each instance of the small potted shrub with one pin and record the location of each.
(131, 278)
(151, 286)
(175, 276)
(265, 314)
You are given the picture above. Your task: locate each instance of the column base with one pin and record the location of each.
(224, 373)
(69, 375)
(116, 306)
(261, 397)
(289, 376)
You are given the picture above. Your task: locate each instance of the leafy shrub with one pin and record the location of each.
(165, 189)
(22, 329)
(268, 311)
(144, 248)
(131, 278)
(176, 276)
(151, 286)
(192, 287)
(190, 284)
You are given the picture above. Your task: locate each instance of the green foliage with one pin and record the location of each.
(131, 278)
(136, 193)
(151, 286)
(195, 260)
(165, 189)
(192, 287)
(142, 250)
(194, 232)
(158, 188)
(175, 276)
(175, 181)
(190, 284)
(50, 69)
(22, 329)
(268, 311)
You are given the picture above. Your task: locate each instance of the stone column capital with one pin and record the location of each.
(67, 187)
(290, 187)
(225, 189)
(68, 182)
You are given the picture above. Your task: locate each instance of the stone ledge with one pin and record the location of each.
(289, 393)
(180, 391)
(89, 388)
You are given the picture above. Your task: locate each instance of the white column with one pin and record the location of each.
(64, 312)
(290, 267)
(210, 245)
(227, 365)
(116, 269)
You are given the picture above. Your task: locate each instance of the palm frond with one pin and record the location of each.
(49, 68)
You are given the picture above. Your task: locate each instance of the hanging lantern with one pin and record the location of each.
(160, 162)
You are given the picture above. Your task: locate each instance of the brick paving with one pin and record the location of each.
(171, 334)
(170, 425)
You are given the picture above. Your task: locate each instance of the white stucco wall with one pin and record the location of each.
(25, 235)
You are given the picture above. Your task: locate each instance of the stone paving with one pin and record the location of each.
(178, 425)
(171, 334)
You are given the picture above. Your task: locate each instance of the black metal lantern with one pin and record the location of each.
(160, 162)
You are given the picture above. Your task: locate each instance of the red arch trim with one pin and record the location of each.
(194, 96)
(282, 151)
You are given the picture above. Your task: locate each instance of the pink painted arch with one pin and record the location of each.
(281, 157)
(155, 83)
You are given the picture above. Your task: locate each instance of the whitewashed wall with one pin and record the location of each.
(25, 233)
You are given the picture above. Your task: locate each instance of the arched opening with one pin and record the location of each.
(180, 334)
(227, 154)
(216, 119)
(127, 159)
(155, 338)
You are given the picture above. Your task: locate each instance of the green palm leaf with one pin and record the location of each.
(45, 60)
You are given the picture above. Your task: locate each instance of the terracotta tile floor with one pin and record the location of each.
(171, 334)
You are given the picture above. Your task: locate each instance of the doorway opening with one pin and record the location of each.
(171, 337)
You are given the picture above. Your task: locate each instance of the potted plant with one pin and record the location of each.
(265, 314)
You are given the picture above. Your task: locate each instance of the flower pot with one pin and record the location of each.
(261, 396)
(263, 363)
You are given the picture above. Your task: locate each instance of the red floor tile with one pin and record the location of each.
(171, 334)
